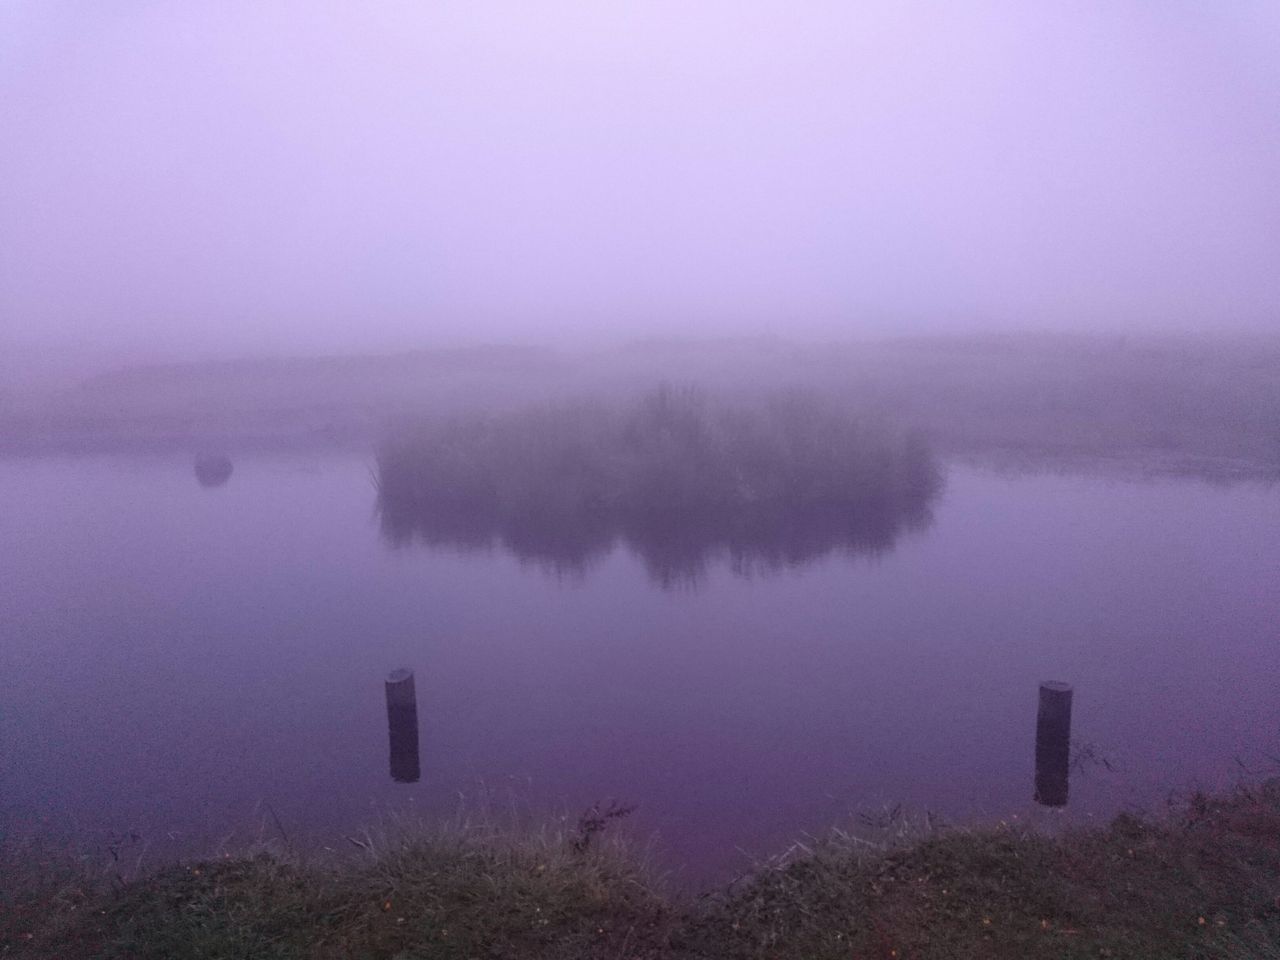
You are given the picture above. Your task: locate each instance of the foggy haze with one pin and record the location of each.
(236, 176)
(640, 478)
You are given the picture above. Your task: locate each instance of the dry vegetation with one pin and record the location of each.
(678, 477)
(1201, 883)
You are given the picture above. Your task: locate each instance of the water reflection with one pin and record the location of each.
(675, 550)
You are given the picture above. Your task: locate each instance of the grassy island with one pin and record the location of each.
(678, 477)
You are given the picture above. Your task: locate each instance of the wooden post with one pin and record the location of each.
(402, 724)
(1053, 744)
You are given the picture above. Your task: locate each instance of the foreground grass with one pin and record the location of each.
(1200, 883)
(457, 893)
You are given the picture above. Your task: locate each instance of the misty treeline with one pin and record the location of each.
(677, 474)
(1190, 406)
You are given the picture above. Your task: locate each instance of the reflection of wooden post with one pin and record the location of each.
(1053, 743)
(402, 723)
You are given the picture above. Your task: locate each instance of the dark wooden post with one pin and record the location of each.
(402, 723)
(1053, 744)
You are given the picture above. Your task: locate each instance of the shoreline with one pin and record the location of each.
(1182, 408)
(1003, 460)
(1202, 880)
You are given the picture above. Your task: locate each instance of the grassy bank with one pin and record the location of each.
(1200, 882)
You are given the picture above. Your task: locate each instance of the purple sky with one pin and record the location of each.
(192, 176)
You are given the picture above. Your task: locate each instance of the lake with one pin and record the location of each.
(198, 664)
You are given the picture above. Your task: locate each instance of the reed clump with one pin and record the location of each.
(676, 475)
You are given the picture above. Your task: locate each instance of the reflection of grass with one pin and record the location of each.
(1200, 883)
(676, 475)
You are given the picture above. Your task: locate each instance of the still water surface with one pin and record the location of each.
(173, 658)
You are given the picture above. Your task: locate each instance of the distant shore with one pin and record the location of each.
(1200, 881)
(1167, 407)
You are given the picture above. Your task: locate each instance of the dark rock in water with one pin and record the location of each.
(213, 469)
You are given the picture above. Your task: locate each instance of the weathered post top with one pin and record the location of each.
(400, 688)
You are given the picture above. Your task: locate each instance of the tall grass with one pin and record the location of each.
(676, 475)
(1200, 882)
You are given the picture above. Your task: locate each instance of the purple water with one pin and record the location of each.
(174, 659)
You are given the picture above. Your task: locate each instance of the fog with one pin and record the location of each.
(843, 435)
(182, 180)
